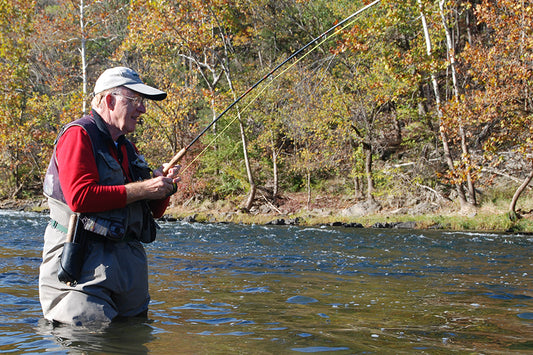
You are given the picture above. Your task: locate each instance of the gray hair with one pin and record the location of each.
(97, 100)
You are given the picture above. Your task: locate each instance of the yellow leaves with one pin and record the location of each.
(178, 25)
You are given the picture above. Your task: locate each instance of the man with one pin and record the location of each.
(97, 174)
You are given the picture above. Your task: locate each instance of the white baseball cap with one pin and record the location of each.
(122, 76)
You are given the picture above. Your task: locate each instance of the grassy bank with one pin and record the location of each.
(479, 222)
(489, 216)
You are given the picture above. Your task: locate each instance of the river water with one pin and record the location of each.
(232, 289)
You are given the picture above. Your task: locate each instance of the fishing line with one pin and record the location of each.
(344, 23)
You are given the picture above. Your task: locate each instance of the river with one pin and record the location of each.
(235, 289)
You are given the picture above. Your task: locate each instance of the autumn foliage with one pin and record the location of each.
(412, 100)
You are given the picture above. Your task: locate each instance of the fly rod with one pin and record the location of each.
(184, 150)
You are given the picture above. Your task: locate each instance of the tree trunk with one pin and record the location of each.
(83, 58)
(367, 148)
(444, 138)
(253, 188)
(275, 169)
(358, 188)
(251, 195)
(466, 154)
(512, 208)
(227, 73)
(308, 177)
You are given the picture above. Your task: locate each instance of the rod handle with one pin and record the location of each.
(71, 227)
(174, 160)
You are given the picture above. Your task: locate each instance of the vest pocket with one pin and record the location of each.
(113, 172)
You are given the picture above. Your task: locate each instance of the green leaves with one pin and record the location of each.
(359, 103)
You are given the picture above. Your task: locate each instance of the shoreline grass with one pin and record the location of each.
(489, 217)
(481, 222)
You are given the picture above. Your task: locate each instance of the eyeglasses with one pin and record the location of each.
(137, 101)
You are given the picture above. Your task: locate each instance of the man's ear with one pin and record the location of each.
(110, 101)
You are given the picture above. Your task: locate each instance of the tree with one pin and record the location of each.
(443, 133)
(313, 127)
(204, 35)
(498, 100)
(450, 54)
(73, 44)
(18, 152)
(376, 83)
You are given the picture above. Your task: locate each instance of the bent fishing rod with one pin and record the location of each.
(184, 150)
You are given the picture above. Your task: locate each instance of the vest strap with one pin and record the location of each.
(55, 224)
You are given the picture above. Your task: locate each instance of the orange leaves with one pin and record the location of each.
(179, 25)
(375, 77)
(495, 103)
(352, 40)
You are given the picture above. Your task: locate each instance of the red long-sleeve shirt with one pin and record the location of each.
(78, 175)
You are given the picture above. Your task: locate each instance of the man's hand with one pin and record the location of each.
(172, 172)
(157, 188)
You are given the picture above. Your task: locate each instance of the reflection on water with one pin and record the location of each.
(123, 337)
(266, 290)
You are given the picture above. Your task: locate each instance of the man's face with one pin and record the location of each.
(128, 106)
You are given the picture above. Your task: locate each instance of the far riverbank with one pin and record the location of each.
(487, 218)
(481, 221)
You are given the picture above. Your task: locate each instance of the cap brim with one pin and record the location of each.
(147, 91)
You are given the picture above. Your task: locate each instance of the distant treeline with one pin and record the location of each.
(411, 97)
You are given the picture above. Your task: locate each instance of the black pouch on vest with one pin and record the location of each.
(150, 226)
(105, 227)
(142, 224)
(73, 255)
(137, 224)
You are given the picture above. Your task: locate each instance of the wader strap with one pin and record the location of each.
(55, 224)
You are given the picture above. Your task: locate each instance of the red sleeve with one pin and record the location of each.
(78, 175)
